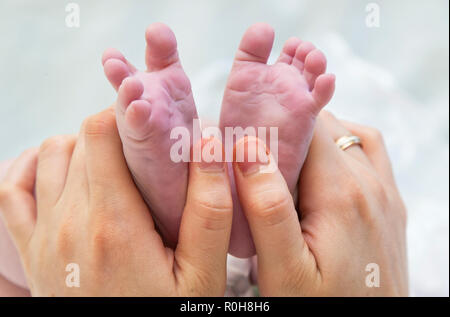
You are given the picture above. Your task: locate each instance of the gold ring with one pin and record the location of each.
(347, 141)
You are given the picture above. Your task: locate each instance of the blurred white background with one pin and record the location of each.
(394, 77)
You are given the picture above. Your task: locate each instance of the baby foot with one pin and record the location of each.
(149, 104)
(288, 94)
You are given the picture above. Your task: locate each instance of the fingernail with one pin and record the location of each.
(251, 155)
(212, 156)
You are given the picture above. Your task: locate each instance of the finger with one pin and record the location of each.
(268, 206)
(107, 172)
(53, 164)
(323, 166)
(17, 204)
(206, 222)
(103, 152)
(77, 176)
(4, 166)
(337, 130)
(323, 147)
(76, 179)
(22, 171)
(374, 147)
(113, 196)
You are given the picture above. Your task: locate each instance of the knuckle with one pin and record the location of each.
(380, 201)
(65, 238)
(6, 191)
(102, 237)
(374, 134)
(55, 144)
(270, 206)
(356, 192)
(213, 214)
(99, 125)
(353, 198)
(365, 198)
(214, 200)
(379, 191)
(107, 234)
(369, 200)
(30, 151)
(352, 186)
(96, 127)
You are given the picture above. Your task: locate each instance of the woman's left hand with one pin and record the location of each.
(350, 240)
(89, 232)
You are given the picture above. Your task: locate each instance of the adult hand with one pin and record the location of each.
(352, 220)
(88, 213)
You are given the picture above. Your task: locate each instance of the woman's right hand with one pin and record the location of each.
(89, 232)
(352, 220)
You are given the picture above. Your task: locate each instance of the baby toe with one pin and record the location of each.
(256, 44)
(288, 52)
(300, 54)
(315, 65)
(323, 90)
(131, 89)
(115, 71)
(137, 116)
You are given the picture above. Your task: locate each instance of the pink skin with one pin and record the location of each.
(149, 104)
(288, 94)
(12, 277)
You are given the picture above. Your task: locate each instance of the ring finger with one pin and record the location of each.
(337, 130)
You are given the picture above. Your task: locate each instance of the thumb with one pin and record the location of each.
(17, 203)
(206, 222)
(270, 211)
